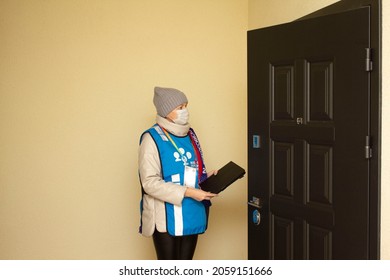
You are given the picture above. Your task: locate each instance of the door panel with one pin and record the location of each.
(308, 94)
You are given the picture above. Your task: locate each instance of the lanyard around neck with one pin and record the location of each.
(171, 140)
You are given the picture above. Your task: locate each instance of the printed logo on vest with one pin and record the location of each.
(183, 156)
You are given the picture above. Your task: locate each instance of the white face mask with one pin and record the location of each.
(182, 116)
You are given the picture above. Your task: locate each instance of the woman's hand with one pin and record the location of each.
(198, 194)
(214, 172)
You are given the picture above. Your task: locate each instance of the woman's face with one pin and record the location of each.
(173, 115)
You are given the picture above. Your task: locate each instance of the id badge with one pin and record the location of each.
(190, 176)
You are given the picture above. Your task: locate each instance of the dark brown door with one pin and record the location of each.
(309, 138)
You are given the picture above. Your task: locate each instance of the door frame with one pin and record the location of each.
(375, 110)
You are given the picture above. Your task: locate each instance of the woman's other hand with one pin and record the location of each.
(214, 172)
(198, 194)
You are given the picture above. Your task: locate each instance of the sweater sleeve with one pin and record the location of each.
(150, 174)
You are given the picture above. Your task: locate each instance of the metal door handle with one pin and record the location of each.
(254, 205)
(255, 202)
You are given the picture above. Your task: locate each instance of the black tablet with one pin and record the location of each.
(226, 176)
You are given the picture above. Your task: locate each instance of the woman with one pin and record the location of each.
(174, 209)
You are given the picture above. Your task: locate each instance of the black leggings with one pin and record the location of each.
(170, 247)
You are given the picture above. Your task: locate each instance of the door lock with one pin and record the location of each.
(256, 217)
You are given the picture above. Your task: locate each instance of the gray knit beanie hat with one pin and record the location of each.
(167, 99)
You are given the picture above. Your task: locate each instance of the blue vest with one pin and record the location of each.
(190, 217)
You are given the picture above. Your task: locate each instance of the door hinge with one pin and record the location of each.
(368, 148)
(368, 59)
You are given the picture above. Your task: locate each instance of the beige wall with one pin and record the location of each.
(76, 88)
(385, 205)
(265, 13)
(76, 81)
